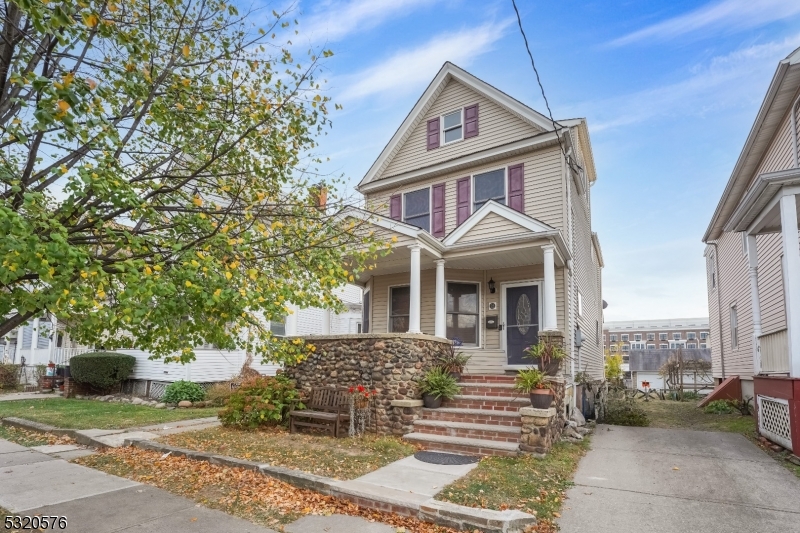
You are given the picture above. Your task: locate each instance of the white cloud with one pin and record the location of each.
(407, 70)
(332, 20)
(723, 82)
(727, 15)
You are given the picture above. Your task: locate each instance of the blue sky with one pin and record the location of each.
(670, 90)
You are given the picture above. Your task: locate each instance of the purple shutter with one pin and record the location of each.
(463, 200)
(438, 210)
(433, 133)
(516, 187)
(471, 121)
(396, 207)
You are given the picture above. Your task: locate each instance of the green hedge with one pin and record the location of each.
(101, 370)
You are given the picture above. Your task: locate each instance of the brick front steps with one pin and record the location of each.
(483, 420)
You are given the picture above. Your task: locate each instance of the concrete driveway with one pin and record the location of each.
(671, 481)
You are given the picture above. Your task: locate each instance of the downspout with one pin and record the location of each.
(719, 310)
(568, 272)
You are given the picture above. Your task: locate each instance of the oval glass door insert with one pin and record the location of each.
(523, 313)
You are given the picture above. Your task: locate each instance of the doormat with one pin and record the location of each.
(439, 458)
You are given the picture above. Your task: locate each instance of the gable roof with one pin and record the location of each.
(449, 72)
(503, 211)
(779, 98)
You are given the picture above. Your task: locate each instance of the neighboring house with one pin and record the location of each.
(646, 365)
(492, 230)
(625, 336)
(753, 266)
(42, 341)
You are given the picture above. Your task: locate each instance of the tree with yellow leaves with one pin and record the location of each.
(154, 176)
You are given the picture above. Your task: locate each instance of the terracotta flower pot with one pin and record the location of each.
(550, 368)
(541, 398)
(431, 401)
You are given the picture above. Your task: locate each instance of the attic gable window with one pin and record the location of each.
(452, 127)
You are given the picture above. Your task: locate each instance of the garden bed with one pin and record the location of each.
(344, 458)
(88, 414)
(528, 484)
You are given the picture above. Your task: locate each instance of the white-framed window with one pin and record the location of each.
(691, 336)
(651, 346)
(734, 328)
(663, 346)
(613, 337)
(613, 348)
(399, 308)
(691, 345)
(637, 346)
(358, 327)
(676, 336)
(417, 208)
(488, 186)
(676, 345)
(703, 346)
(463, 307)
(580, 304)
(637, 337)
(453, 126)
(625, 337)
(626, 347)
(662, 336)
(278, 326)
(651, 336)
(703, 335)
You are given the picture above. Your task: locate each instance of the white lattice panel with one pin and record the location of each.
(773, 420)
(157, 389)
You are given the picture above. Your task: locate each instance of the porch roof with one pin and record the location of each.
(759, 211)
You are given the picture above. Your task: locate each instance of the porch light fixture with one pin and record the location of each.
(491, 285)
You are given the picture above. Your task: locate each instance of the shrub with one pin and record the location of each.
(439, 383)
(261, 401)
(719, 407)
(624, 413)
(9, 376)
(184, 391)
(219, 393)
(101, 370)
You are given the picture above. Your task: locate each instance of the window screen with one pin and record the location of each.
(418, 212)
(490, 186)
(399, 309)
(462, 312)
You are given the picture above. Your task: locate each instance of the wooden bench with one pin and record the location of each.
(327, 408)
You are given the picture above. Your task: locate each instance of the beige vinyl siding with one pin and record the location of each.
(489, 357)
(770, 283)
(543, 188)
(496, 127)
(492, 226)
(713, 314)
(779, 155)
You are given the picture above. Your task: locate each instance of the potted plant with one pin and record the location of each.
(548, 354)
(436, 385)
(453, 361)
(534, 382)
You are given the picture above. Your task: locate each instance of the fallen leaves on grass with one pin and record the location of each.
(236, 491)
(346, 458)
(24, 437)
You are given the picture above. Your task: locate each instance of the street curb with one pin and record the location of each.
(30, 425)
(431, 510)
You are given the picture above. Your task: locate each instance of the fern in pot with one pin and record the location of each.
(437, 385)
(453, 360)
(534, 382)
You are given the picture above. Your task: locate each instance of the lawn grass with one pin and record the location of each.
(236, 491)
(88, 414)
(532, 485)
(344, 458)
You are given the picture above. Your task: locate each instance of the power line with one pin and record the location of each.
(556, 125)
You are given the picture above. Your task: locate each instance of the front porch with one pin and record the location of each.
(495, 291)
(771, 206)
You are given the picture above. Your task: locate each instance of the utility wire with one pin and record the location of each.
(556, 125)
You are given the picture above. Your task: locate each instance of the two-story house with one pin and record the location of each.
(753, 266)
(488, 204)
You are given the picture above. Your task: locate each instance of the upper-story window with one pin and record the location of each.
(691, 336)
(489, 186)
(613, 337)
(453, 126)
(637, 337)
(651, 336)
(703, 335)
(662, 336)
(676, 336)
(417, 208)
(625, 337)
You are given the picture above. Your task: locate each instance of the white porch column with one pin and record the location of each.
(752, 257)
(291, 321)
(550, 322)
(415, 291)
(326, 321)
(440, 329)
(791, 280)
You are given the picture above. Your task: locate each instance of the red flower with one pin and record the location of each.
(361, 388)
(374, 392)
(351, 390)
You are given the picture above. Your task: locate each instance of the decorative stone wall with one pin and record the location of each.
(391, 363)
(541, 428)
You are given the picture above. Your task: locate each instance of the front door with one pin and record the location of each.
(522, 322)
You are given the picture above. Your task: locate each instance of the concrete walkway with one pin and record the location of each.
(114, 438)
(671, 481)
(10, 397)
